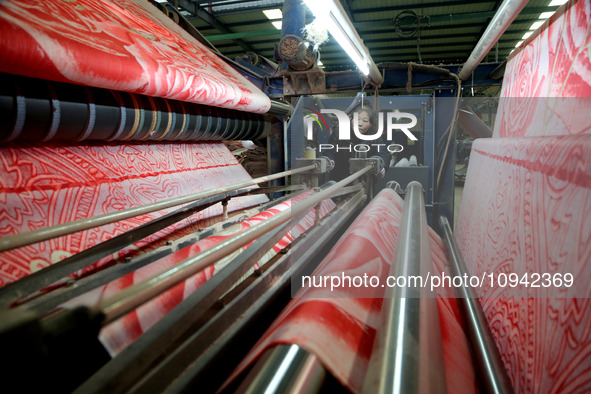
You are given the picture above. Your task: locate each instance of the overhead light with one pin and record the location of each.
(556, 3)
(518, 44)
(341, 28)
(546, 15)
(536, 25)
(273, 14)
(526, 35)
(277, 24)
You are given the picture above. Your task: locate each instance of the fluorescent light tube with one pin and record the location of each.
(273, 14)
(342, 31)
(546, 15)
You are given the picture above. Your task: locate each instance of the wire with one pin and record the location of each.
(412, 28)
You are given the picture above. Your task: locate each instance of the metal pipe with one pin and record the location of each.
(45, 277)
(280, 108)
(492, 374)
(43, 234)
(473, 124)
(506, 13)
(285, 369)
(407, 354)
(40, 279)
(207, 345)
(42, 303)
(211, 349)
(132, 297)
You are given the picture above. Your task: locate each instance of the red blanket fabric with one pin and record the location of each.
(339, 328)
(46, 185)
(126, 45)
(525, 208)
(119, 334)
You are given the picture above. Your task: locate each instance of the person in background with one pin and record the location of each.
(367, 124)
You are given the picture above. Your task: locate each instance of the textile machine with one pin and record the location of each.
(138, 255)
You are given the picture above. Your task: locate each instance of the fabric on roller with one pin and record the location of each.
(126, 45)
(119, 334)
(46, 185)
(556, 62)
(525, 207)
(339, 329)
(524, 210)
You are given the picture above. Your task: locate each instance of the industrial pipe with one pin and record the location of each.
(134, 296)
(43, 234)
(280, 108)
(473, 124)
(407, 355)
(493, 376)
(285, 369)
(506, 13)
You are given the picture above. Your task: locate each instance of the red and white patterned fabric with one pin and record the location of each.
(42, 186)
(553, 63)
(524, 211)
(126, 45)
(339, 328)
(525, 204)
(119, 334)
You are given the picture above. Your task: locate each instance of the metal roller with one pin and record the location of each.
(40, 110)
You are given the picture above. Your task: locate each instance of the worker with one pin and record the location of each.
(367, 122)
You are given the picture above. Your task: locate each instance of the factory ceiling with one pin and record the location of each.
(423, 31)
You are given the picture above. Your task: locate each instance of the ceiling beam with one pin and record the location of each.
(212, 21)
(439, 18)
(418, 5)
(387, 26)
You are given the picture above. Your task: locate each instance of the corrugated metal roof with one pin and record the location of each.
(448, 29)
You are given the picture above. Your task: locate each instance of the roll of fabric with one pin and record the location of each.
(525, 209)
(339, 326)
(126, 45)
(42, 186)
(119, 334)
(39, 110)
(524, 212)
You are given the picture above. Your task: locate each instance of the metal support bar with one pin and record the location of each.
(492, 374)
(407, 354)
(162, 335)
(506, 13)
(45, 302)
(132, 297)
(473, 124)
(209, 346)
(40, 279)
(285, 369)
(280, 108)
(134, 363)
(43, 234)
(51, 274)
